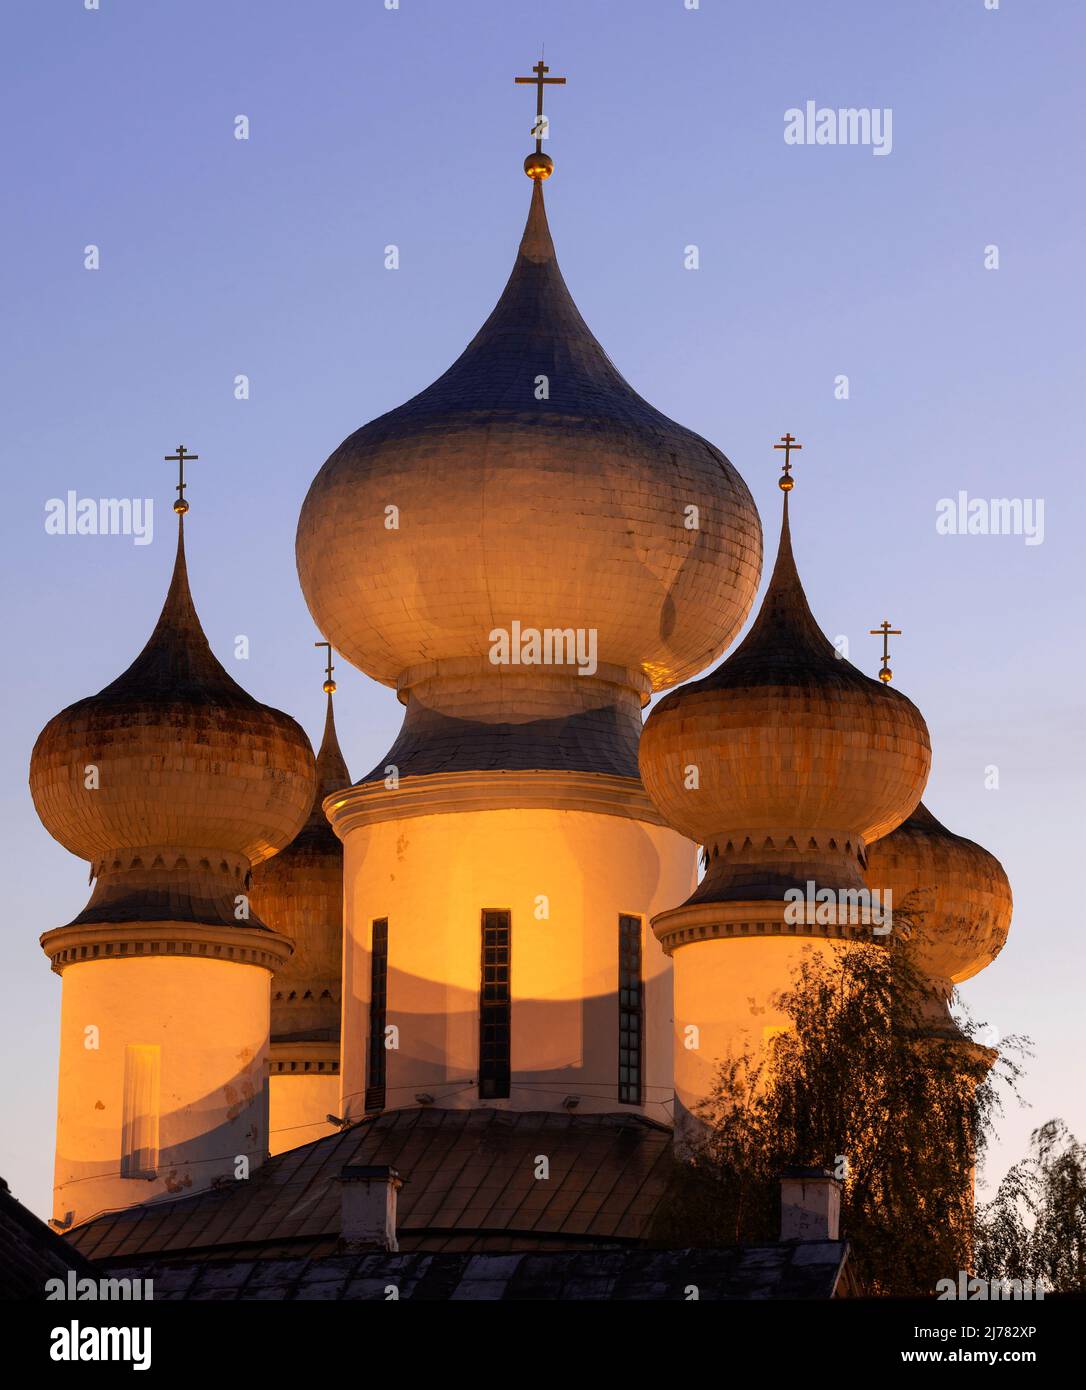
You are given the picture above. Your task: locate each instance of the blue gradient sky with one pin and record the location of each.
(371, 127)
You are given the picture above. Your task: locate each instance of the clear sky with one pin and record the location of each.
(371, 127)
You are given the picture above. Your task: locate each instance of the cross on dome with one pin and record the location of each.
(539, 165)
(329, 683)
(180, 506)
(788, 442)
(886, 632)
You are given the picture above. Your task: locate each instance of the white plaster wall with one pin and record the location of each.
(211, 1020)
(299, 1107)
(724, 992)
(431, 876)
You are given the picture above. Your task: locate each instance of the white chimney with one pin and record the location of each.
(368, 1207)
(810, 1205)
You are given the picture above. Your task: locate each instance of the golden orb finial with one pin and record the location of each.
(539, 166)
(180, 506)
(886, 674)
(329, 687)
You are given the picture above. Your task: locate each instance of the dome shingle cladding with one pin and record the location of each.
(954, 895)
(801, 759)
(299, 893)
(197, 780)
(569, 511)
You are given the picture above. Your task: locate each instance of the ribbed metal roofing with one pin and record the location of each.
(470, 1180)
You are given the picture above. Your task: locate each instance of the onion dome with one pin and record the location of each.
(172, 780)
(786, 760)
(531, 486)
(299, 893)
(953, 895)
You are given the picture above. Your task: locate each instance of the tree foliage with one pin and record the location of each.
(1035, 1226)
(863, 1084)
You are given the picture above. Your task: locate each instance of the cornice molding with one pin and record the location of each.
(745, 921)
(304, 1059)
(78, 945)
(445, 793)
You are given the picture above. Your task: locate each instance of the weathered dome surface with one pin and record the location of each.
(299, 893)
(196, 779)
(565, 512)
(953, 894)
(801, 759)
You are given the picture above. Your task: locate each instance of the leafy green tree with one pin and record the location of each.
(1035, 1226)
(864, 1084)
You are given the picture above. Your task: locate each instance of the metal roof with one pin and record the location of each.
(810, 1270)
(470, 1184)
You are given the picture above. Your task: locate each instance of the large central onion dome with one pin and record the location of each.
(954, 895)
(786, 760)
(532, 486)
(172, 780)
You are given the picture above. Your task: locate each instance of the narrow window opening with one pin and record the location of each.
(377, 1053)
(631, 1011)
(495, 1007)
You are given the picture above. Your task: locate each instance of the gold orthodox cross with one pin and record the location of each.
(788, 442)
(885, 631)
(539, 81)
(329, 683)
(180, 506)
